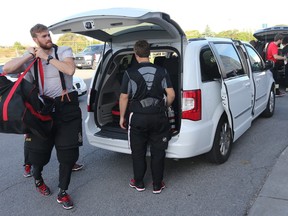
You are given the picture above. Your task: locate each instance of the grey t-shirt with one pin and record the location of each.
(52, 81)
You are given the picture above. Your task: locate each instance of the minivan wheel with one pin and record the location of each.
(222, 143)
(269, 111)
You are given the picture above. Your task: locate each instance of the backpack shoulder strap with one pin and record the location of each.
(60, 73)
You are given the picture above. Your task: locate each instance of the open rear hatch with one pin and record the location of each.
(268, 34)
(121, 25)
(121, 28)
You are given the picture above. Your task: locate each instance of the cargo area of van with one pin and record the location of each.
(107, 90)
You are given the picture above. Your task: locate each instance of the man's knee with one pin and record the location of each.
(68, 156)
(40, 159)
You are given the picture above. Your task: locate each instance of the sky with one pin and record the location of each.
(16, 18)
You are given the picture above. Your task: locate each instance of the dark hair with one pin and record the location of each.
(285, 40)
(278, 37)
(37, 29)
(142, 48)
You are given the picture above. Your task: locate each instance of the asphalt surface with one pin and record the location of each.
(273, 197)
(246, 185)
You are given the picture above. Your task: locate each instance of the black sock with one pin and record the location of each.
(61, 192)
(38, 182)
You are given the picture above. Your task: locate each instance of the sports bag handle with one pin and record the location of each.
(10, 95)
(41, 72)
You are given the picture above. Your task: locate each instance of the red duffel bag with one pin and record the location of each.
(21, 108)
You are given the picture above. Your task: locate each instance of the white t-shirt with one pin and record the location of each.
(52, 80)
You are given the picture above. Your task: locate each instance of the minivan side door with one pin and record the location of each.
(236, 91)
(261, 79)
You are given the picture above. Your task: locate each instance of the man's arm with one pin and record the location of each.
(278, 57)
(15, 65)
(67, 66)
(170, 96)
(123, 102)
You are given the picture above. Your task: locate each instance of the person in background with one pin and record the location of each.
(144, 87)
(66, 133)
(272, 55)
(285, 53)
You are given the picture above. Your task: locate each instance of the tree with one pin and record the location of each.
(208, 32)
(192, 34)
(75, 41)
(19, 48)
(236, 34)
(228, 34)
(17, 45)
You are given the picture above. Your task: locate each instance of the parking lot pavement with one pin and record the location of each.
(273, 197)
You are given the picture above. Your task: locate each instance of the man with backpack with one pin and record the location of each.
(142, 93)
(58, 66)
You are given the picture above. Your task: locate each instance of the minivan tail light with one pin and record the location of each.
(191, 105)
(89, 108)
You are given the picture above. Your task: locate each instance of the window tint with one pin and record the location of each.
(230, 60)
(208, 64)
(255, 60)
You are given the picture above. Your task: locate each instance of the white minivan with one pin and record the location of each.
(221, 84)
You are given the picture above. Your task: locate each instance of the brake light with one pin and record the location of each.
(191, 105)
(88, 108)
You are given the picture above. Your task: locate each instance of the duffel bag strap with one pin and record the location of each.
(10, 95)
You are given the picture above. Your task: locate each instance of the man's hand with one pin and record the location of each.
(40, 53)
(122, 123)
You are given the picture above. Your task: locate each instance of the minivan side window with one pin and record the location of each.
(208, 64)
(255, 60)
(230, 60)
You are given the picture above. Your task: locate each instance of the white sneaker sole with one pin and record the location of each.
(158, 191)
(138, 189)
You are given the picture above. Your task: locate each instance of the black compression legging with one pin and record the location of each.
(66, 157)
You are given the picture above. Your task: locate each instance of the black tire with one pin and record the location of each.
(222, 143)
(79, 67)
(270, 107)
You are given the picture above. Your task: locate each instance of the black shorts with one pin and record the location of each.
(149, 129)
(67, 128)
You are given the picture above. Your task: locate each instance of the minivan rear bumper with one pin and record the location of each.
(194, 139)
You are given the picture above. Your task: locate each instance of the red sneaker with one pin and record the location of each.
(77, 167)
(42, 188)
(139, 186)
(65, 200)
(157, 188)
(27, 171)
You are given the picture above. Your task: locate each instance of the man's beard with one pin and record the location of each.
(46, 46)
